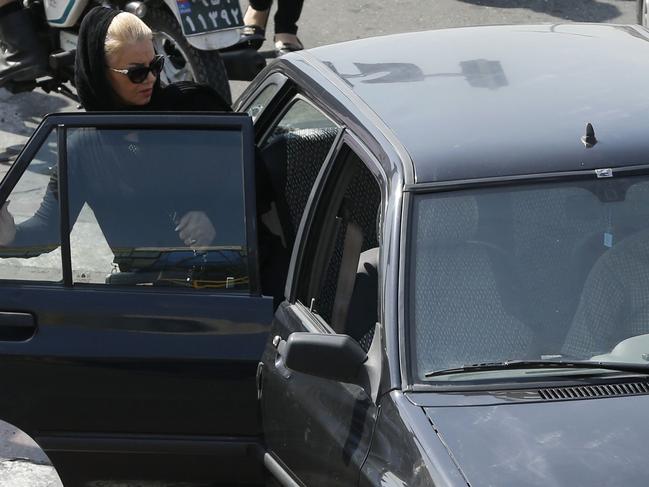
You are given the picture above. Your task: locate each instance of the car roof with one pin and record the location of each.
(505, 100)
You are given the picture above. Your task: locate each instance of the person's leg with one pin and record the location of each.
(22, 57)
(257, 13)
(255, 19)
(286, 17)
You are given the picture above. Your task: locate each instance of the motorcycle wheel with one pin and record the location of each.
(184, 62)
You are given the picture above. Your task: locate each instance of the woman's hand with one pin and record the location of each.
(195, 229)
(7, 226)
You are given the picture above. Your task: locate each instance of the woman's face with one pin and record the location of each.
(133, 55)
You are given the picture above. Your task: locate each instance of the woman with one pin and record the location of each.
(113, 171)
(114, 51)
(117, 69)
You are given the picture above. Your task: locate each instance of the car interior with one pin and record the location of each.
(348, 290)
(528, 272)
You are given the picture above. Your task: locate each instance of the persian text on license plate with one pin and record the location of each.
(201, 16)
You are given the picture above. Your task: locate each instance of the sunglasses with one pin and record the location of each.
(138, 74)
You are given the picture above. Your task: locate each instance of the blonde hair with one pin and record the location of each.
(126, 28)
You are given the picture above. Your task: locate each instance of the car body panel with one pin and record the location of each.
(309, 419)
(401, 455)
(504, 100)
(157, 360)
(598, 441)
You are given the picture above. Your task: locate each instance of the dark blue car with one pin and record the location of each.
(447, 286)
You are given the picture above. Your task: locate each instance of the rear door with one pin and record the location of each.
(131, 321)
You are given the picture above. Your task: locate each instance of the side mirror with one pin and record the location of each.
(336, 357)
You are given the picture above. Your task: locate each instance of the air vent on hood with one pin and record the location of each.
(586, 392)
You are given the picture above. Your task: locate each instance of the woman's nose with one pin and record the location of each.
(151, 77)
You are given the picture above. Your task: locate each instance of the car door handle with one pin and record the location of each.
(279, 344)
(16, 327)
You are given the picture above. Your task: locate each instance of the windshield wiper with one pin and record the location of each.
(543, 364)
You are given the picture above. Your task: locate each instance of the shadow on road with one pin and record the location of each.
(572, 10)
(21, 113)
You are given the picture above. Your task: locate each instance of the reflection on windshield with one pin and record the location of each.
(536, 272)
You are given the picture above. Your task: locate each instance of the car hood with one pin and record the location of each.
(602, 442)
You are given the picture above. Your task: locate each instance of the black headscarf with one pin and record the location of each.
(94, 89)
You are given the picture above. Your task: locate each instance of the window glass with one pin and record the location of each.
(534, 272)
(303, 115)
(258, 105)
(157, 208)
(29, 250)
(293, 153)
(339, 275)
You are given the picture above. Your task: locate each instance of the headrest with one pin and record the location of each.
(637, 199)
(444, 220)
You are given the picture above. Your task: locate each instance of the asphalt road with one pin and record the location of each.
(22, 464)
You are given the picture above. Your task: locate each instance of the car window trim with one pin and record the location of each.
(250, 94)
(405, 362)
(64, 205)
(240, 122)
(267, 115)
(522, 179)
(346, 142)
(406, 336)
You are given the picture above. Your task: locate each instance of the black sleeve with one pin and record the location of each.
(190, 96)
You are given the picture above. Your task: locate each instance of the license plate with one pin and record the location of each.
(203, 16)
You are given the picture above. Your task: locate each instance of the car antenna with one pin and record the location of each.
(589, 139)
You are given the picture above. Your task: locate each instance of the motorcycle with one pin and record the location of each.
(196, 36)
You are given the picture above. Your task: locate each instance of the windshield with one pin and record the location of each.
(556, 272)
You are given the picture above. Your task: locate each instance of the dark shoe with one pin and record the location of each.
(22, 56)
(252, 37)
(282, 48)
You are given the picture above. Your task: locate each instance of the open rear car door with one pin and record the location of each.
(131, 320)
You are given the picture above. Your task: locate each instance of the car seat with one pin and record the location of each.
(457, 312)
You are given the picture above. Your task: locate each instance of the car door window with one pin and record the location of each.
(32, 256)
(261, 101)
(150, 207)
(338, 279)
(157, 208)
(293, 153)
